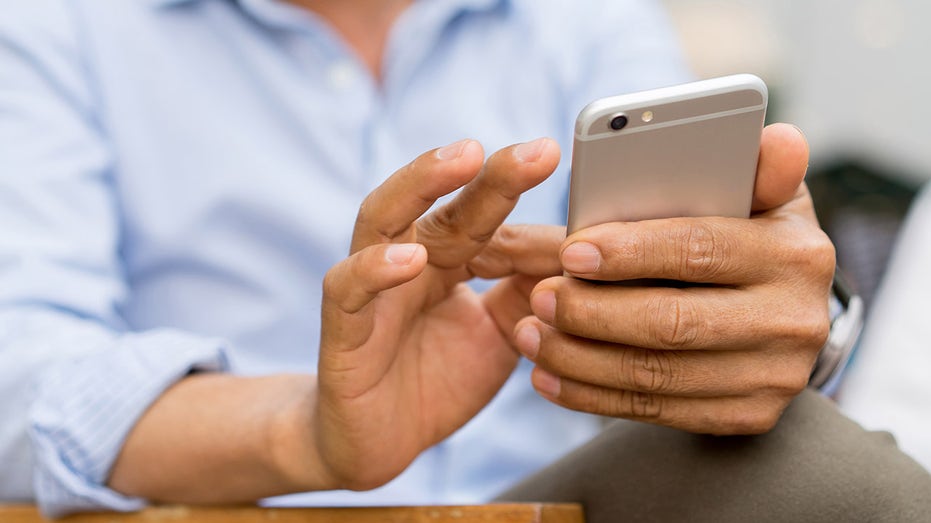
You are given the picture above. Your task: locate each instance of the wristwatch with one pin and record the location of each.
(847, 313)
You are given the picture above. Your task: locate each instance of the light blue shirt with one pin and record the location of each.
(176, 176)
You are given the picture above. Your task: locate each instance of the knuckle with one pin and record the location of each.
(481, 236)
(753, 420)
(334, 289)
(497, 179)
(364, 215)
(647, 370)
(795, 381)
(823, 256)
(819, 331)
(644, 406)
(811, 328)
(349, 285)
(331, 283)
(369, 219)
(595, 400)
(501, 247)
(827, 263)
(813, 254)
(506, 236)
(767, 419)
(785, 380)
(631, 246)
(673, 321)
(750, 425)
(449, 222)
(579, 316)
(490, 263)
(703, 252)
(443, 221)
(618, 403)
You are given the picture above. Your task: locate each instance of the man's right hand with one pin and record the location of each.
(409, 353)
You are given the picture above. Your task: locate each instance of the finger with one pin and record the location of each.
(696, 318)
(353, 283)
(509, 301)
(782, 166)
(725, 251)
(703, 374)
(457, 231)
(392, 208)
(707, 250)
(722, 416)
(520, 249)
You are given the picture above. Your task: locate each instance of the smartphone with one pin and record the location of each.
(686, 150)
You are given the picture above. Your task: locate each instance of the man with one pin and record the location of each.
(181, 170)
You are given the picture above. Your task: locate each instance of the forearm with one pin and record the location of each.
(216, 438)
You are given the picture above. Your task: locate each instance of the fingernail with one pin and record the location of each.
(530, 151)
(543, 304)
(401, 254)
(546, 383)
(528, 341)
(451, 151)
(581, 258)
(801, 133)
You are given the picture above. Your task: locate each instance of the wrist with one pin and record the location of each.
(293, 450)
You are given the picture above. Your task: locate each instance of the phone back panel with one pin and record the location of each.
(697, 156)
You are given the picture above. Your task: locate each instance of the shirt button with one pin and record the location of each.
(341, 75)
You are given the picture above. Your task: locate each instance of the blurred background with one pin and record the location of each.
(853, 75)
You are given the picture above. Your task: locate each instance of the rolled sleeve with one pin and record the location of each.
(73, 380)
(84, 410)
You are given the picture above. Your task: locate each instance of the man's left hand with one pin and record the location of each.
(724, 354)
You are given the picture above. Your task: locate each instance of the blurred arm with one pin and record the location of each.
(72, 380)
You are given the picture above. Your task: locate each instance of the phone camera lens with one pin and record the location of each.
(619, 122)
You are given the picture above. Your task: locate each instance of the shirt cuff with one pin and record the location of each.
(85, 408)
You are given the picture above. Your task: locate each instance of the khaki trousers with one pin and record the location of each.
(816, 465)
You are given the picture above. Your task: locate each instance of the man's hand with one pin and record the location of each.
(723, 356)
(409, 353)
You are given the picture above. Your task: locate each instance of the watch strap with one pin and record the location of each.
(847, 314)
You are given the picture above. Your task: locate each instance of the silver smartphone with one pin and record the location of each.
(686, 150)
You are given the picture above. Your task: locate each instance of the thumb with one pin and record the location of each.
(782, 166)
(351, 285)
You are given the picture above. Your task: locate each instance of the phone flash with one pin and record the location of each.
(647, 116)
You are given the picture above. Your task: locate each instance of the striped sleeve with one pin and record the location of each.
(85, 408)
